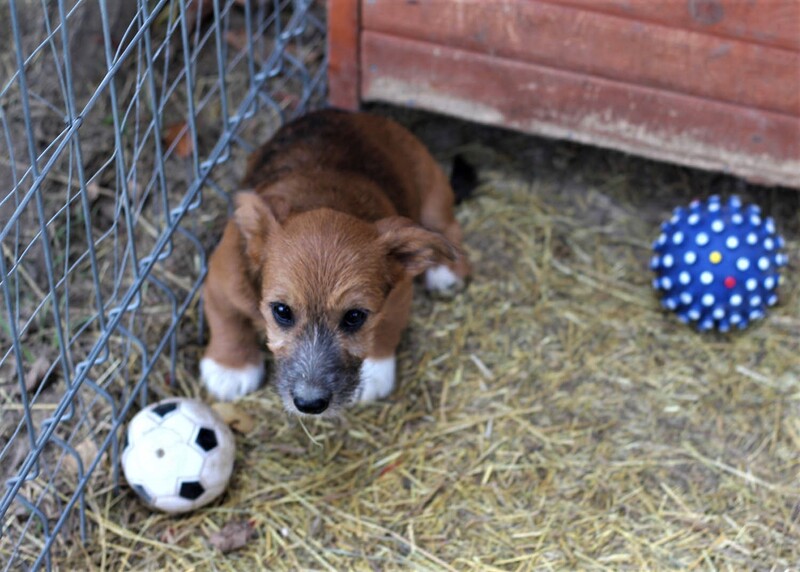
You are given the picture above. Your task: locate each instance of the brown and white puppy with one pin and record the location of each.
(345, 210)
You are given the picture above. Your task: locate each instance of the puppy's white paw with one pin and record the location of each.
(441, 279)
(377, 379)
(227, 383)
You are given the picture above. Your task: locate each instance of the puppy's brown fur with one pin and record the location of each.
(345, 210)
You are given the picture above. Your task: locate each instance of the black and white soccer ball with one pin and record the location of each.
(179, 455)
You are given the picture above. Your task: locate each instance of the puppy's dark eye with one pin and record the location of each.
(282, 314)
(353, 320)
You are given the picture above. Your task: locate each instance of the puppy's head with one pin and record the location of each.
(325, 278)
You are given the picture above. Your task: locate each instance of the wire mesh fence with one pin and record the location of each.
(119, 119)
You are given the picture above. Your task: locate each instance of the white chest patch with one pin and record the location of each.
(377, 378)
(227, 383)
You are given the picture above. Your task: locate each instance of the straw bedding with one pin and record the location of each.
(550, 417)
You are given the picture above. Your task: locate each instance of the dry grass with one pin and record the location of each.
(550, 417)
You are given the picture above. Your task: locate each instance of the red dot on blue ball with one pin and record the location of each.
(730, 282)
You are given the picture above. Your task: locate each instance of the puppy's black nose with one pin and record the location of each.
(311, 406)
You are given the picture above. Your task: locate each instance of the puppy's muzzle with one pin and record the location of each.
(317, 377)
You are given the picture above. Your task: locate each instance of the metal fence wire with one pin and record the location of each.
(119, 119)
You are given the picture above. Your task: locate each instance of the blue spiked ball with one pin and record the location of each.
(717, 264)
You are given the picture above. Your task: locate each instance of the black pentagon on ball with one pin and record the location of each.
(164, 408)
(191, 490)
(206, 439)
(143, 494)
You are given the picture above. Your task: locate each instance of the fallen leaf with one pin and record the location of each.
(178, 136)
(204, 7)
(238, 419)
(389, 468)
(232, 536)
(86, 450)
(37, 374)
(237, 39)
(93, 191)
(315, 528)
(167, 536)
(40, 497)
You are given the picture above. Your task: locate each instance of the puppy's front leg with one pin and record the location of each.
(378, 370)
(233, 364)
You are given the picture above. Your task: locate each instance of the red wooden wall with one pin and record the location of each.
(708, 83)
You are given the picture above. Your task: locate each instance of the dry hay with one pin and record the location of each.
(550, 417)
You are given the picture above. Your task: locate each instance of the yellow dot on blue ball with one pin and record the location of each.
(715, 257)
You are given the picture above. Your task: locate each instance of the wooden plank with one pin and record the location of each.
(343, 72)
(607, 46)
(768, 22)
(758, 145)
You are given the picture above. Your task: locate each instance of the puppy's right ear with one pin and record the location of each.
(257, 217)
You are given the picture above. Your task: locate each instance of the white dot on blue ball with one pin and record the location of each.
(755, 301)
(769, 225)
(751, 284)
(684, 277)
(713, 206)
(772, 300)
(690, 257)
(769, 244)
(693, 219)
(742, 264)
(694, 314)
(717, 226)
(701, 239)
(662, 238)
(718, 313)
(763, 263)
(654, 262)
(686, 298)
(736, 300)
(769, 282)
(752, 238)
(735, 319)
(706, 278)
(732, 242)
(667, 261)
(666, 283)
(677, 238)
(755, 220)
(736, 218)
(707, 300)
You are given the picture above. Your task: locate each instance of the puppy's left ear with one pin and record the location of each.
(416, 249)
